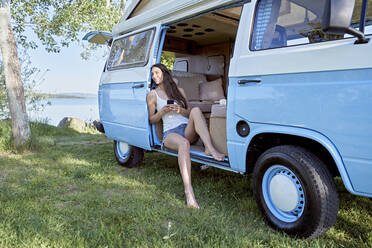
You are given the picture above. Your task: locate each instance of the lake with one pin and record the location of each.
(85, 109)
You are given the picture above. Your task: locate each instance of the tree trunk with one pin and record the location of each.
(12, 70)
(122, 7)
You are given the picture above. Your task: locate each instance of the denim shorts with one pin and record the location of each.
(178, 130)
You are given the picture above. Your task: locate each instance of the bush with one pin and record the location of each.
(6, 135)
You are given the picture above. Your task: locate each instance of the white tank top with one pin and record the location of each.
(170, 119)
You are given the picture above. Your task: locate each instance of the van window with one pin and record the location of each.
(293, 22)
(130, 51)
(181, 65)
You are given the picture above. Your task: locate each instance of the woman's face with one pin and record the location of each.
(157, 75)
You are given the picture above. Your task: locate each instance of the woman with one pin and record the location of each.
(181, 125)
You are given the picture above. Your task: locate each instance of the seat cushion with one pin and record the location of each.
(218, 110)
(191, 87)
(212, 91)
(205, 107)
(189, 82)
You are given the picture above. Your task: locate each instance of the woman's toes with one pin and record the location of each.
(218, 156)
(193, 205)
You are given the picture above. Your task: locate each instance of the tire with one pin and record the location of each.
(127, 155)
(295, 192)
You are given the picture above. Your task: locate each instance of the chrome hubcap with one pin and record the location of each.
(123, 149)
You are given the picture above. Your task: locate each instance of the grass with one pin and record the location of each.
(42, 136)
(72, 193)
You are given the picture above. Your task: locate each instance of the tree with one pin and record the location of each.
(12, 71)
(4, 109)
(167, 58)
(31, 78)
(56, 24)
(59, 23)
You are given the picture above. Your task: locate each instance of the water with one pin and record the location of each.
(85, 109)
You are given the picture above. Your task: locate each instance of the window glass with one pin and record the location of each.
(182, 65)
(280, 23)
(130, 50)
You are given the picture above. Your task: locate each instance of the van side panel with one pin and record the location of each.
(323, 87)
(335, 104)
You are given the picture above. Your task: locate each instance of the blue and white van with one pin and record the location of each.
(286, 86)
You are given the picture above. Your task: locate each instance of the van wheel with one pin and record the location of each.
(295, 191)
(127, 155)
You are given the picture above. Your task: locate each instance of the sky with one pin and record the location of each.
(67, 71)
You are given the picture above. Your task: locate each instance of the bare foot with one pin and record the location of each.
(190, 200)
(193, 205)
(215, 154)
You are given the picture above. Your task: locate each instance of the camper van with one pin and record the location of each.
(285, 87)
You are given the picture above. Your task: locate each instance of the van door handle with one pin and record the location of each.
(137, 86)
(245, 81)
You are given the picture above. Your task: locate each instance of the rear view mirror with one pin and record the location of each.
(337, 19)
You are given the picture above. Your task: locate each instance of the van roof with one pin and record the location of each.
(142, 13)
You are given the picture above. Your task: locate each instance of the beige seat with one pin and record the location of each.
(205, 106)
(190, 83)
(217, 127)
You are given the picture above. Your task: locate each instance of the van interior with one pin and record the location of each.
(202, 47)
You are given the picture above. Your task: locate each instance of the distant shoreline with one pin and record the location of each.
(67, 95)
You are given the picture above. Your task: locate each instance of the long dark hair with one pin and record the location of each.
(170, 87)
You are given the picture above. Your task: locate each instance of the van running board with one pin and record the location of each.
(197, 155)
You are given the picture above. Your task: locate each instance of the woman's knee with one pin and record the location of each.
(184, 145)
(196, 110)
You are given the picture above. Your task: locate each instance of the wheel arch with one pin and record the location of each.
(263, 138)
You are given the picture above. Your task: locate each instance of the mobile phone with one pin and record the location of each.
(169, 101)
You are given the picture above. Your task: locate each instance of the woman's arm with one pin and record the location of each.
(183, 111)
(151, 105)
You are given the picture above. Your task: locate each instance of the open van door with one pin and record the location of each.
(124, 86)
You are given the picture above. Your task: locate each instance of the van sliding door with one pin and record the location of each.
(124, 87)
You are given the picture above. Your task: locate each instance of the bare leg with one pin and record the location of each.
(177, 142)
(197, 124)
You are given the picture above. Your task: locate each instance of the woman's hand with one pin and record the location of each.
(176, 108)
(166, 109)
(171, 108)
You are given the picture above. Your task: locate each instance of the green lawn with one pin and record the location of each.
(72, 193)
